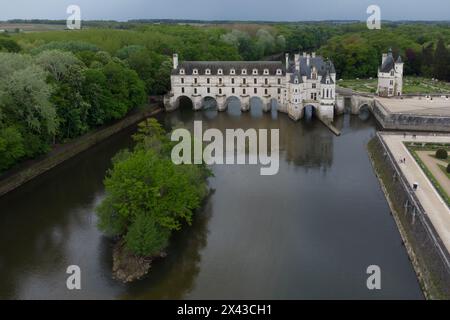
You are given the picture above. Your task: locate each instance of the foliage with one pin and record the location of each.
(146, 237)
(52, 97)
(24, 104)
(11, 147)
(147, 196)
(448, 168)
(441, 154)
(9, 45)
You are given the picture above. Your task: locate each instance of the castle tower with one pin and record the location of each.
(390, 76)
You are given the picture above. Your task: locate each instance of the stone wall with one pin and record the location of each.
(428, 254)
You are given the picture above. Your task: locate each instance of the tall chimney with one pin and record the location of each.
(287, 60)
(313, 54)
(307, 59)
(304, 54)
(175, 61)
(384, 58)
(297, 61)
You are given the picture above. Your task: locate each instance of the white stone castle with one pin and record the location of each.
(390, 76)
(306, 81)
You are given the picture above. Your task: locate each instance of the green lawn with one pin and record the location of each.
(411, 85)
(412, 149)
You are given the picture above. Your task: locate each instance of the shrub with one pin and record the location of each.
(448, 168)
(441, 154)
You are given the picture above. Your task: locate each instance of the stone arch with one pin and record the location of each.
(184, 101)
(209, 102)
(257, 106)
(309, 111)
(364, 111)
(274, 104)
(233, 105)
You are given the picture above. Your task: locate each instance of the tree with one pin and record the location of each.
(127, 89)
(96, 93)
(147, 195)
(24, 102)
(11, 147)
(145, 237)
(448, 168)
(57, 62)
(9, 45)
(441, 154)
(71, 107)
(441, 69)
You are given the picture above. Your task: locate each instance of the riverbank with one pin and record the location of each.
(412, 224)
(29, 170)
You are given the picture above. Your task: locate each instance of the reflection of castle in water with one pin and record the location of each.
(313, 146)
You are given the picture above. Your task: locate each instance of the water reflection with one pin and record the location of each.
(308, 232)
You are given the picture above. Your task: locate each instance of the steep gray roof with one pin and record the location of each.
(226, 66)
(324, 79)
(388, 63)
(323, 66)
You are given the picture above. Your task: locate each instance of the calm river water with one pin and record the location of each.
(308, 232)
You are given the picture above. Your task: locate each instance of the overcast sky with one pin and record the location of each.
(274, 10)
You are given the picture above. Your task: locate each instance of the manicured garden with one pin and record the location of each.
(441, 152)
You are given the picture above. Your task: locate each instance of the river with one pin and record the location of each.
(308, 232)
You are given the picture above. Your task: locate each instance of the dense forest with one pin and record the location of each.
(57, 85)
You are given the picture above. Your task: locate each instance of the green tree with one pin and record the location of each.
(441, 154)
(25, 103)
(71, 107)
(11, 147)
(9, 45)
(57, 62)
(441, 63)
(96, 93)
(145, 237)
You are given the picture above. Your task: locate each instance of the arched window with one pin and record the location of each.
(266, 71)
(244, 71)
(195, 71)
(181, 71)
(255, 71)
(208, 71)
(220, 71)
(278, 71)
(296, 80)
(232, 71)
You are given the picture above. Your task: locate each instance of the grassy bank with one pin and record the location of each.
(419, 254)
(30, 170)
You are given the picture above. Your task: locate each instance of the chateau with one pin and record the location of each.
(390, 76)
(307, 81)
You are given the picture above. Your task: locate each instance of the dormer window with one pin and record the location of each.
(392, 73)
(181, 71)
(220, 71)
(232, 71)
(244, 71)
(195, 71)
(255, 71)
(296, 80)
(278, 72)
(327, 81)
(208, 71)
(266, 71)
(314, 76)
